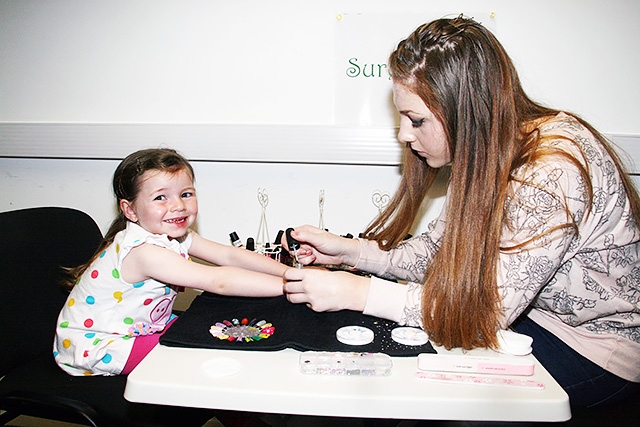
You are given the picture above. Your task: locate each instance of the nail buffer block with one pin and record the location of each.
(476, 364)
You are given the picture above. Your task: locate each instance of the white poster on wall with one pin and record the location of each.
(363, 44)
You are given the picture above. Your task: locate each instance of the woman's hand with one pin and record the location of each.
(321, 247)
(324, 290)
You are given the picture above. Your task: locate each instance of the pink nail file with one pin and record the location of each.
(476, 380)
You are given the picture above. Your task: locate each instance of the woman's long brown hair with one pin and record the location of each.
(465, 77)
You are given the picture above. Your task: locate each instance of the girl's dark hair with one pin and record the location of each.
(126, 185)
(465, 77)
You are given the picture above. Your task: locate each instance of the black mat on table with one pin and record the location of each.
(296, 326)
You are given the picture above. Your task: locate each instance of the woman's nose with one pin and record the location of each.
(405, 135)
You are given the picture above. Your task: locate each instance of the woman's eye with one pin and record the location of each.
(417, 123)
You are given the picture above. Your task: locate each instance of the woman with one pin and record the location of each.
(539, 231)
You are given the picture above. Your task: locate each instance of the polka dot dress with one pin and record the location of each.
(103, 315)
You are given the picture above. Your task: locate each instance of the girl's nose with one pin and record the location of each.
(178, 205)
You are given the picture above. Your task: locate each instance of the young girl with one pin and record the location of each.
(121, 300)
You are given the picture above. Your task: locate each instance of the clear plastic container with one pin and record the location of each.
(345, 363)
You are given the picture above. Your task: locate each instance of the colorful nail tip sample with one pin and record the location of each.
(242, 330)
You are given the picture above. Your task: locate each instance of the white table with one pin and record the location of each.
(271, 382)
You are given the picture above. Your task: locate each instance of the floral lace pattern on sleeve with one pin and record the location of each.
(412, 313)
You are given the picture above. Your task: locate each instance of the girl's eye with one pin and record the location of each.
(417, 123)
(159, 198)
(187, 194)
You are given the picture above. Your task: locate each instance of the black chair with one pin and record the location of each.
(35, 244)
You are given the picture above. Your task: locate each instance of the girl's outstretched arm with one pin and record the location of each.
(150, 261)
(226, 255)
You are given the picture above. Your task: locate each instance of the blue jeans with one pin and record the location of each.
(586, 383)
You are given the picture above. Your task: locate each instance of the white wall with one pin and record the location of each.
(227, 192)
(249, 62)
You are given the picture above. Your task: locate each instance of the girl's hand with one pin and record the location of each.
(323, 290)
(321, 247)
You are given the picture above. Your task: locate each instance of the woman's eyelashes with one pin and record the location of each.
(416, 123)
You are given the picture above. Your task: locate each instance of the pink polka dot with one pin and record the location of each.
(94, 274)
(147, 301)
(88, 323)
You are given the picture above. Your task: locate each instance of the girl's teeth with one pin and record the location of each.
(175, 220)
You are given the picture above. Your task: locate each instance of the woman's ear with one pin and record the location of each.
(127, 210)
